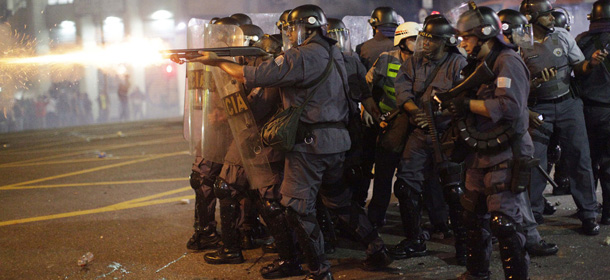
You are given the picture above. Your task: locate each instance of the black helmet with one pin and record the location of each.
(440, 27)
(481, 22)
(601, 10)
(310, 15)
(383, 16)
(532, 9)
(242, 18)
(511, 19)
(335, 24)
(562, 18)
(226, 21)
(252, 33)
(270, 43)
(283, 19)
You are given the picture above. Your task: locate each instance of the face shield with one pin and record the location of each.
(428, 46)
(341, 35)
(294, 35)
(454, 14)
(523, 36)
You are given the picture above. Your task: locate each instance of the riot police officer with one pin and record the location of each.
(517, 31)
(384, 21)
(496, 118)
(316, 163)
(596, 97)
(435, 66)
(551, 60)
(382, 75)
(202, 178)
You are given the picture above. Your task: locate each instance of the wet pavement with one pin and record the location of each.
(121, 192)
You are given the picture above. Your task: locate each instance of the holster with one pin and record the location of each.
(522, 173)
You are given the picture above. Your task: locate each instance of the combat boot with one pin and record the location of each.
(590, 227)
(247, 241)
(224, 256)
(282, 269)
(409, 249)
(377, 261)
(204, 239)
(324, 276)
(542, 248)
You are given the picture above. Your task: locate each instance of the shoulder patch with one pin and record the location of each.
(279, 60)
(503, 82)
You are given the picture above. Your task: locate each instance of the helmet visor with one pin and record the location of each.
(293, 35)
(428, 46)
(341, 35)
(523, 36)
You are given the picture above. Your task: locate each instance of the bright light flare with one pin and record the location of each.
(138, 52)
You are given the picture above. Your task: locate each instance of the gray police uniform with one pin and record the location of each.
(370, 50)
(488, 176)
(416, 164)
(308, 165)
(596, 98)
(562, 112)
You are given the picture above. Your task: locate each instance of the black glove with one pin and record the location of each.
(418, 118)
(459, 106)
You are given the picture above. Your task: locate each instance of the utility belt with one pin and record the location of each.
(531, 102)
(490, 142)
(305, 130)
(591, 103)
(521, 173)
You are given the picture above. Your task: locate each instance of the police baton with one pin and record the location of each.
(547, 176)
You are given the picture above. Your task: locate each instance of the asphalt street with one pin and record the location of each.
(121, 192)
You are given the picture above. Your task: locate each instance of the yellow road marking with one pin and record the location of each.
(88, 149)
(95, 184)
(138, 202)
(78, 160)
(90, 170)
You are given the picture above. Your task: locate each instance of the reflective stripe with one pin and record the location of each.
(392, 70)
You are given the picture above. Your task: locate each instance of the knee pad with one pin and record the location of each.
(222, 189)
(402, 190)
(273, 208)
(470, 220)
(196, 180)
(503, 226)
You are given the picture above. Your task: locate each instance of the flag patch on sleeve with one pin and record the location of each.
(503, 82)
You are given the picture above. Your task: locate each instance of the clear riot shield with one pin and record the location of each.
(205, 123)
(236, 109)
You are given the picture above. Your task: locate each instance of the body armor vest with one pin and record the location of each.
(547, 54)
(388, 100)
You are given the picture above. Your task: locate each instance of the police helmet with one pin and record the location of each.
(532, 9)
(270, 43)
(383, 16)
(252, 33)
(481, 22)
(406, 30)
(335, 24)
(601, 10)
(337, 30)
(283, 19)
(226, 21)
(242, 18)
(311, 16)
(562, 18)
(440, 27)
(511, 19)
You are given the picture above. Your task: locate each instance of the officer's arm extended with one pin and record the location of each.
(233, 69)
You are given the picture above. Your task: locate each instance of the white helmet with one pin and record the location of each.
(406, 30)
